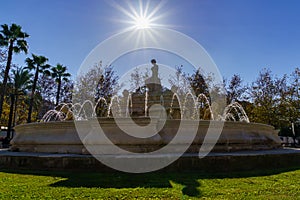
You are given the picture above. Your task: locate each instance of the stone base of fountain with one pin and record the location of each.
(62, 137)
(214, 162)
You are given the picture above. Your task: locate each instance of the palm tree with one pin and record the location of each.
(59, 73)
(21, 82)
(13, 38)
(37, 63)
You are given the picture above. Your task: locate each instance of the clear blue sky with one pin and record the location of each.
(242, 36)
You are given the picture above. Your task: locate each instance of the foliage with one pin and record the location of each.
(13, 35)
(39, 65)
(206, 84)
(20, 116)
(15, 39)
(269, 99)
(180, 82)
(46, 90)
(21, 80)
(59, 73)
(98, 81)
(3, 57)
(235, 89)
(137, 80)
(107, 84)
(4, 118)
(46, 87)
(21, 83)
(18, 87)
(198, 82)
(67, 91)
(86, 83)
(293, 97)
(275, 100)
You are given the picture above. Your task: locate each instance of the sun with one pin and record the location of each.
(143, 16)
(142, 22)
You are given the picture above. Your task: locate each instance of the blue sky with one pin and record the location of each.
(241, 36)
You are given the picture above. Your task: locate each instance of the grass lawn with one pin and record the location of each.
(23, 184)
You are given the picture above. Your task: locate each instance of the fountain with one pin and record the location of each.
(56, 133)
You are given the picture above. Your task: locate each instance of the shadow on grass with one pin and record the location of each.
(124, 180)
(188, 180)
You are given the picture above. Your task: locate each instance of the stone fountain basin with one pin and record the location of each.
(62, 137)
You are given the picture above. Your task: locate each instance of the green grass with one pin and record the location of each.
(74, 185)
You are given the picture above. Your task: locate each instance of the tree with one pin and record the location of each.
(86, 83)
(46, 90)
(2, 61)
(235, 89)
(180, 81)
(21, 82)
(2, 58)
(46, 87)
(66, 93)
(198, 83)
(290, 99)
(59, 74)
(38, 64)
(97, 83)
(107, 83)
(295, 95)
(265, 94)
(137, 80)
(14, 38)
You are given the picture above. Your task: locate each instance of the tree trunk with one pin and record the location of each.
(6, 73)
(58, 92)
(36, 76)
(10, 118)
(15, 109)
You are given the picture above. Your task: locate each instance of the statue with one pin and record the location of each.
(153, 83)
